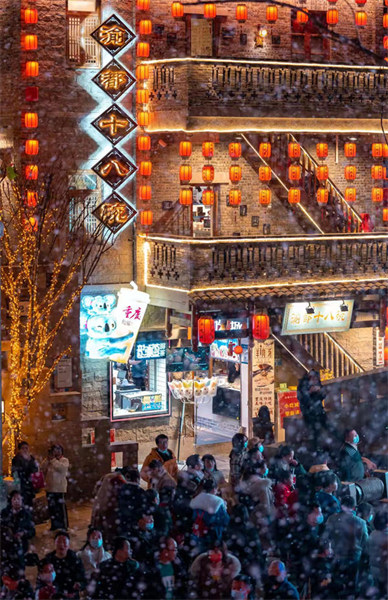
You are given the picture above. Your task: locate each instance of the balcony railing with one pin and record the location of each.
(213, 87)
(191, 264)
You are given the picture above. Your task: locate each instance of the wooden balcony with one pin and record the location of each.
(195, 264)
(195, 93)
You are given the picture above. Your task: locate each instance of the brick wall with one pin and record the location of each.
(359, 344)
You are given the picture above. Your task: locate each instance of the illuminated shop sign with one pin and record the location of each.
(148, 350)
(223, 350)
(114, 124)
(114, 80)
(114, 213)
(110, 322)
(113, 35)
(317, 317)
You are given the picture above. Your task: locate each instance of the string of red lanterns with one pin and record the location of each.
(234, 196)
(294, 151)
(260, 329)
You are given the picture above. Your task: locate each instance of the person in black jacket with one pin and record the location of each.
(262, 425)
(23, 466)
(16, 529)
(243, 541)
(132, 500)
(70, 574)
(119, 576)
(310, 396)
(169, 576)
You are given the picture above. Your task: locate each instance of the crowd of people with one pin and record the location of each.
(273, 531)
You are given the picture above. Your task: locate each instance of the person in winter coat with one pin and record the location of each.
(189, 484)
(93, 553)
(277, 586)
(377, 547)
(242, 540)
(237, 457)
(70, 574)
(213, 572)
(310, 396)
(162, 453)
(210, 470)
(326, 498)
(23, 466)
(321, 577)
(14, 585)
(46, 588)
(119, 576)
(304, 544)
(159, 478)
(144, 540)
(17, 529)
(351, 463)
(209, 515)
(262, 426)
(105, 511)
(56, 469)
(169, 576)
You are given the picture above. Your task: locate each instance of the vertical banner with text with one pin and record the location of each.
(263, 376)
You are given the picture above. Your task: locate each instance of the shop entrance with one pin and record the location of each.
(204, 217)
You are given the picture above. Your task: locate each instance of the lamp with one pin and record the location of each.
(310, 310)
(344, 307)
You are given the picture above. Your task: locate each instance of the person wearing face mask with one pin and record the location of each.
(209, 516)
(93, 553)
(163, 454)
(143, 539)
(237, 457)
(119, 576)
(304, 545)
(169, 576)
(189, 485)
(243, 588)
(210, 470)
(45, 583)
(70, 574)
(277, 586)
(351, 464)
(212, 573)
(326, 496)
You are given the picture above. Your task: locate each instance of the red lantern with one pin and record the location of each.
(143, 118)
(322, 151)
(385, 215)
(272, 14)
(302, 17)
(241, 13)
(143, 50)
(185, 149)
(206, 330)
(350, 150)
(177, 10)
(264, 197)
(31, 93)
(238, 350)
(142, 96)
(186, 197)
(145, 27)
(322, 195)
(235, 150)
(31, 147)
(234, 197)
(30, 120)
(209, 11)
(265, 173)
(332, 1)
(350, 194)
(377, 194)
(143, 5)
(32, 68)
(322, 173)
(30, 42)
(208, 149)
(235, 173)
(208, 173)
(360, 18)
(294, 196)
(385, 20)
(145, 168)
(260, 327)
(30, 16)
(350, 172)
(144, 143)
(385, 150)
(31, 171)
(293, 150)
(185, 173)
(146, 218)
(145, 193)
(294, 172)
(265, 150)
(361, 2)
(32, 199)
(208, 197)
(332, 16)
(142, 72)
(377, 150)
(378, 172)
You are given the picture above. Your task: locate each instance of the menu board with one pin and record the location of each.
(263, 376)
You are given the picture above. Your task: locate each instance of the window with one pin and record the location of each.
(84, 197)
(307, 40)
(82, 19)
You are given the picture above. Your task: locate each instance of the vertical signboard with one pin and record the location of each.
(263, 376)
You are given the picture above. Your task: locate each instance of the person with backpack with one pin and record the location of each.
(209, 516)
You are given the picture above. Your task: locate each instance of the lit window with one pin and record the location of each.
(83, 18)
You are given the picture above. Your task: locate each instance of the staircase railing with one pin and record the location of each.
(178, 220)
(330, 354)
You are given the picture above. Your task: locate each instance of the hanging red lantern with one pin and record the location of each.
(377, 194)
(144, 143)
(142, 72)
(350, 172)
(206, 330)
(332, 16)
(143, 5)
(177, 10)
(350, 150)
(30, 120)
(235, 173)
(332, 1)
(294, 172)
(143, 118)
(350, 194)
(260, 327)
(238, 350)
(265, 197)
(265, 173)
(377, 150)
(145, 168)
(385, 215)
(385, 20)
(208, 149)
(293, 150)
(361, 2)
(186, 197)
(322, 195)
(145, 27)
(234, 197)
(208, 173)
(142, 96)
(145, 192)
(322, 151)
(31, 171)
(272, 14)
(146, 217)
(209, 11)
(185, 149)
(385, 150)
(322, 172)
(360, 18)
(294, 196)
(31, 147)
(235, 150)
(30, 16)
(302, 16)
(31, 93)
(241, 13)
(265, 150)
(32, 199)
(30, 42)
(143, 50)
(32, 68)
(208, 197)
(378, 172)
(185, 173)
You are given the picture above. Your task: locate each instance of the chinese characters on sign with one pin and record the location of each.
(114, 124)
(263, 376)
(113, 35)
(288, 405)
(325, 316)
(114, 168)
(114, 80)
(114, 213)
(147, 350)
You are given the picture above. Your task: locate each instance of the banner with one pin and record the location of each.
(263, 376)
(317, 317)
(288, 404)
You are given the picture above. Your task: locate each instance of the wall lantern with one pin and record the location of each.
(32, 199)
(322, 195)
(209, 11)
(185, 149)
(241, 13)
(30, 16)
(350, 172)
(235, 150)
(322, 173)
(143, 5)
(234, 197)
(350, 150)
(302, 17)
(144, 143)
(185, 173)
(186, 197)
(208, 149)
(30, 120)
(265, 150)
(31, 147)
(142, 96)
(145, 192)
(294, 172)
(145, 27)
(31, 171)
(206, 330)
(146, 218)
(360, 18)
(322, 151)
(143, 118)
(235, 173)
(378, 172)
(265, 173)
(177, 10)
(260, 327)
(350, 194)
(145, 168)
(271, 14)
(293, 150)
(208, 197)
(30, 42)
(377, 194)
(208, 173)
(332, 16)
(142, 72)
(265, 197)
(143, 50)
(294, 196)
